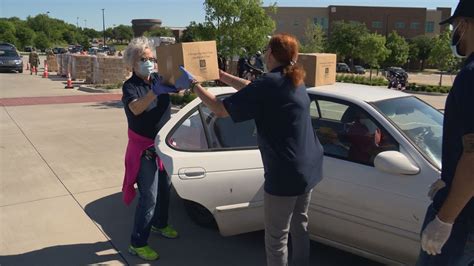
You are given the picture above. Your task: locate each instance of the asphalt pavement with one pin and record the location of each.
(61, 171)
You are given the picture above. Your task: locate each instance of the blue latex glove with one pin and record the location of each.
(185, 80)
(159, 88)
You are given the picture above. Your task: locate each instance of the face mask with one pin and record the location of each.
(146, 68)
(455, 40)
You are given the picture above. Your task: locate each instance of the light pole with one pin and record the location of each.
(85, 23)
(77, 22)
(103, 23)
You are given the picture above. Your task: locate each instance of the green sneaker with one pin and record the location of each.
(167, 231)
(145, 252)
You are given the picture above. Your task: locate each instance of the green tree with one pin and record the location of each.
(373, 50)
(159, 32)
(24, 36)
(238, 24)
(198, 32)
(91, 33)
(399, 50)
(441, 55)
(7, 26)
(8, 37)
(423, 48)
(345, 39)
(314, 40)
(41, 41)
(123, 33)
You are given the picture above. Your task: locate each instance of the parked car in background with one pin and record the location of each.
(382, 150)
(59, 50)
(359, 70)
(28, 49)
(342, 68)
(395, 70)
(10, 59)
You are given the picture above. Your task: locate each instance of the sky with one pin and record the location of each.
(177, 13)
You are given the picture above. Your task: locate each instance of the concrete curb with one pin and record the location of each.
(91, 89)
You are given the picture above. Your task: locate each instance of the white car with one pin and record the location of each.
(382, 151)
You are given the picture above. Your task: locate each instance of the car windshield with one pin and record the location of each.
(420, 122)
(8, 53)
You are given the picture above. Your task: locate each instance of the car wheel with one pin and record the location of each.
(199, 214)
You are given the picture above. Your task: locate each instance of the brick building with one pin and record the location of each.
(408, 22)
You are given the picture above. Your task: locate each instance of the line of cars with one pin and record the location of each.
(10, 58)
(344, 68)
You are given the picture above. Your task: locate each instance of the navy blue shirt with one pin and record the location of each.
(458, 121)
(291, 153)
(149, 122)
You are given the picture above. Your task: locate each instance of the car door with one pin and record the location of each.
(215, 163)
(356, 205)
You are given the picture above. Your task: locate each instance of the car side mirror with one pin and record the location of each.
(394, 162)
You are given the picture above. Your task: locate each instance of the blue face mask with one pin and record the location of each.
(146, 68)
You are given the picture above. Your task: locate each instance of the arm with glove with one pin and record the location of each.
(157, 88)
(437, 232)
(187, 81)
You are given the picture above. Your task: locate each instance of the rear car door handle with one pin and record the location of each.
(192, 173)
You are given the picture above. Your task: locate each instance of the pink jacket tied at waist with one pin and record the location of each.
(136, 145)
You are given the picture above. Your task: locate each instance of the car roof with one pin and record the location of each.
(350, 91)
(344, 91)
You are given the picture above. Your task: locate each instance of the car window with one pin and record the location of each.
(189, 135)
(347, 132)
(223, 133)
(203, 130)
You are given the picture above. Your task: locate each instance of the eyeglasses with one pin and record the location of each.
(151, 59)
(265, 50)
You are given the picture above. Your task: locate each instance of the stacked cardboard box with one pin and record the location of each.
(52, 63)
(199, 58)
(80, 65)
(64, 64)
(320, 68)
(108, 70)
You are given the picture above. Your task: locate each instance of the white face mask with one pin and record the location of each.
(455, 40)
(146, 68)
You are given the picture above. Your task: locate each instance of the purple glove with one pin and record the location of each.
(185, 80)
(159, 88)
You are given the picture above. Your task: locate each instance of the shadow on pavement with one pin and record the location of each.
(77, 254)
(196, 245)
(107, 105)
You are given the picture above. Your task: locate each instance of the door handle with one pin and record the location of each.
(191, 173)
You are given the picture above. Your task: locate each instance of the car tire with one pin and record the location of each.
(199, 214)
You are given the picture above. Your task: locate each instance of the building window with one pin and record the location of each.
(415, 25)
(296, 22)
(429, 26)
(280, 23)
(399, 25)
(324, 23)
(315, 21)
(377, 24)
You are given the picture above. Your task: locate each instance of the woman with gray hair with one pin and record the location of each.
(147, 107)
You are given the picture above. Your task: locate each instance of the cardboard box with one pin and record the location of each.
(199, 58)
(320, 68)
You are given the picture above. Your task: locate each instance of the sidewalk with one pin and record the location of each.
(53, 163)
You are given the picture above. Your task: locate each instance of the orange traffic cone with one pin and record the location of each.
(69, 81)
(45, 73)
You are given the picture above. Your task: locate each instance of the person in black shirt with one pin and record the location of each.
(448, 229)
(147, 107)
(291, 153)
